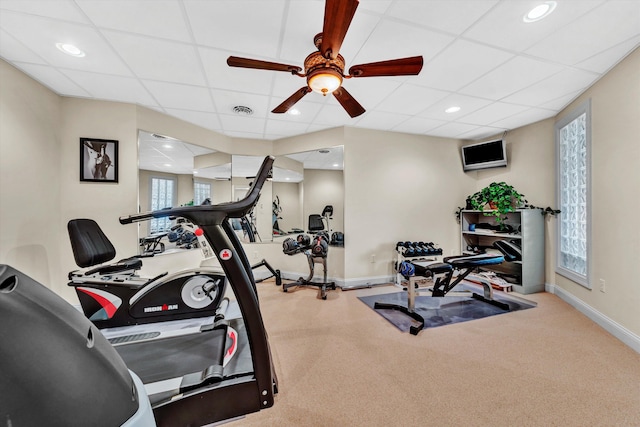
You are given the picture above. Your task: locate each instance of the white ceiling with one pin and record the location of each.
(170, 55)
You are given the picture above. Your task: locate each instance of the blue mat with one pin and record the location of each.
(440, 311)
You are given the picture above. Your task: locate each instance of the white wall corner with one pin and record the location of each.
(614, 328)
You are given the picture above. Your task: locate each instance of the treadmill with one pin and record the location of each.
(205, 370)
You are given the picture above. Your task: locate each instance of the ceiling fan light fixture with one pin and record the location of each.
(324, 81)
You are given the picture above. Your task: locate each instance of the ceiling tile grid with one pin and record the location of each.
(170, 55)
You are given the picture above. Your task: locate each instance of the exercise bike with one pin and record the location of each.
(187, 372)
(114, 295)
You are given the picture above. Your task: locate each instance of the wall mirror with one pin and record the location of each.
(172, 172)
(299, 194)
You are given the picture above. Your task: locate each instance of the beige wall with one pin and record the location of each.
(615, 176)
(30, 203)
(398, 187)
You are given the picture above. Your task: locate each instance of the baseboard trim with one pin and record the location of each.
(365, 282)
(611, 326)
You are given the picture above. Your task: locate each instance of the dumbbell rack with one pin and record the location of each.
(400, 258)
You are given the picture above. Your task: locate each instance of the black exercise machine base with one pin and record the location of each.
(322, 287)
(413, 329)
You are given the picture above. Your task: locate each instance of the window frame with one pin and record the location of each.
(583, 280)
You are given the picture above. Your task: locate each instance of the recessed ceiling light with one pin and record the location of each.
(453, 109)
(335, 165)
(167, 165)
(540, 11)
(242, 110)
(294, 112)
(70, 49)
(167, 146)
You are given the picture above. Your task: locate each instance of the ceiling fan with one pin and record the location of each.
(324, 69)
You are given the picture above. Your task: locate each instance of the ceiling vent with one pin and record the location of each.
(242, 110)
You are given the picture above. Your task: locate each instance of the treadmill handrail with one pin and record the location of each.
(211, 214)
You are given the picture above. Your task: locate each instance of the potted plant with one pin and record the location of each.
(501, 197)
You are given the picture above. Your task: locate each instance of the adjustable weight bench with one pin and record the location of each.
(442, 275)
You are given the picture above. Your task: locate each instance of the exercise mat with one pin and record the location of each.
(440, 311)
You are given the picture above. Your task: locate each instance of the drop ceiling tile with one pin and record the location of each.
(510, 77)
(65, 10)
(303, 21)
(240, 26)
(566, 81)
(333, 115)
(411, 99)
(492, 113)
(559, 103)
(381, 120)
(417, 125)
(459, 64)
(443, 15)
(604, 61)
(370, 92)
(582, 39)
(467, 104)
(234, 123)
(140, 17)
(205, 120)
(452, 130)
(226, 100)
(307, 111)
(156, 59)
(285, 128)
(53, 79)
(481, 132)
(112, 88)
(40, 35)
(503, 26)
(375, 6)
(523, 118)
(392, 39)
(12, 50)
(184, 97)
(221, 76)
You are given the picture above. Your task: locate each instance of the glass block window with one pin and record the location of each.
(573, 140)
(201, 191)
(162, 196)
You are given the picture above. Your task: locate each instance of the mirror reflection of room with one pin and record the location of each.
(174, 173)
(313, 201)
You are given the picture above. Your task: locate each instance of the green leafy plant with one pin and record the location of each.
(501, 197)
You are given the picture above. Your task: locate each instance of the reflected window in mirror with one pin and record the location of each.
(201, 192)
(162, 196)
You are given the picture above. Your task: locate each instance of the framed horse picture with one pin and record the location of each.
(98, 160)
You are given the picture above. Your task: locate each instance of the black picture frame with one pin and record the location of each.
(98, 160)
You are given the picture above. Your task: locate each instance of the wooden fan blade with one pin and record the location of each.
(337, 18)
(348, 102)
(394, 67)
(234, 61)
(290, 101)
